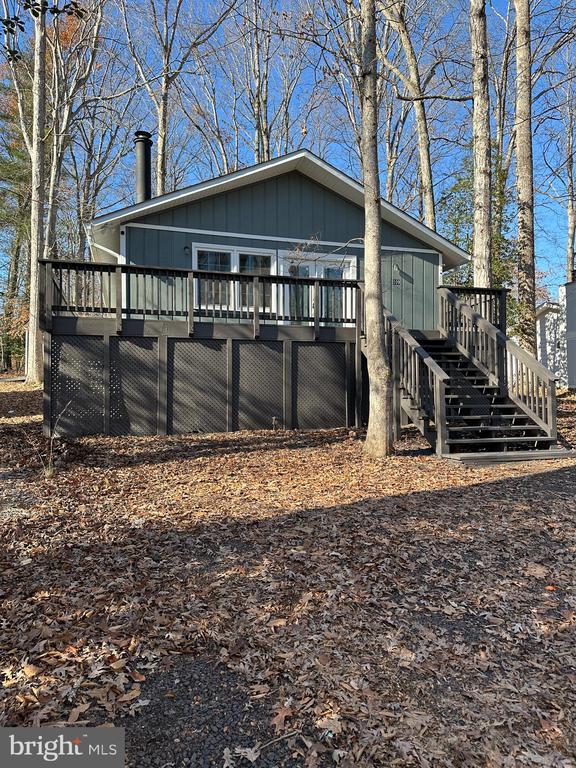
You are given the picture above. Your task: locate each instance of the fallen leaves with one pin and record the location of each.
(30, 670)
(537, 570)
(406, 612)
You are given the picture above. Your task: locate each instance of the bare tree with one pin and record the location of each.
(482, 240)
(559, 150)
(160, 50)
(250, 99)
(73, 46)
(379, 435)
(570, 155)
(395, 13)
(525, 180)
(501, 54)
(34, 136)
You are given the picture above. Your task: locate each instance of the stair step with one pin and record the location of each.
(501, 440)
(497, 428)
(500, 457)
(467, 400)
(477, 416)
(497, 406)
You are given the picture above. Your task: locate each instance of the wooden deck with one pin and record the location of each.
(171, 350)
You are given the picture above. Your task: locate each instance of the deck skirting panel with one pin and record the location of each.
(148, 380)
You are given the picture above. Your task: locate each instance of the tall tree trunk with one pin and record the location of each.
(162, 140)
(525, 181)
(34, 350)
(379, 435)
(571, 198)
(420, 116)
(482, 240)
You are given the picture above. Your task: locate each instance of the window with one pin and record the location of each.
(299, 295)
(212, 291)
(336, 302)
(255, 264)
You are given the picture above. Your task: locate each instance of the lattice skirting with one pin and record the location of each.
(145, 385)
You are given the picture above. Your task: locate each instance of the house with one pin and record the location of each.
(237, 303)
(551, 337)
(556, 335)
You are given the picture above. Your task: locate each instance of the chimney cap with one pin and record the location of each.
(142, 135)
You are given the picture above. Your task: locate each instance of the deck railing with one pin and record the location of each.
(126, 292)
(488, 302)
(417, 376)
(526, 381)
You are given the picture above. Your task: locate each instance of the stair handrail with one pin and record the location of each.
(409, 362)
(519, 375)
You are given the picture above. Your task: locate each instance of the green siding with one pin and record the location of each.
(289, 205)
(409, 282)
(292, 206)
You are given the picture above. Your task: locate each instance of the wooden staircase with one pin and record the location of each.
(473, 393)
(479, 416)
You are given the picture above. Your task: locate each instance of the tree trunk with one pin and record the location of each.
(379, 435)
(482, 240)
(571, 200)
(34, 351)
(162, 140)
(525, 181)
(422, 132)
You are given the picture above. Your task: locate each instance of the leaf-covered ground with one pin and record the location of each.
(406, 612)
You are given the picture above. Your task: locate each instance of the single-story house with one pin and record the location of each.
(238, 303)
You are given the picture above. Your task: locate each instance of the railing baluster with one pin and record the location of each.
(190, 303)
(49, 296)
(118, 290)
(316, 309)
(256, 306)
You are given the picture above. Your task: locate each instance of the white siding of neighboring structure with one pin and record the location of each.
(552, 339)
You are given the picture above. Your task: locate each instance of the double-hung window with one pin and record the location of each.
(255, 264)
(212, 291)
(233, 297)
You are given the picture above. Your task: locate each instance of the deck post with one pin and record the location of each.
(47, 388)
(42, 295)
(551, 406)
(502, 310)
(229, 385)
(49, 296)
(162, 414)
(288, 417)
(106, 382)
(440, 415)
(256, 307)
(316, 309)
(118, 281)
(358, 358)
(396, 396)
(190, 303)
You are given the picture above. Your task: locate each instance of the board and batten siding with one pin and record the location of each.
(290, 206)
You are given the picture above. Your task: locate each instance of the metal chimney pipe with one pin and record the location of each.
(143, 145)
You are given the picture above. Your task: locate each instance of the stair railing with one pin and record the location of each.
(418, 375)
(519, 375)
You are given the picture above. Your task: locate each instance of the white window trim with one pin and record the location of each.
(317, 258)
(235, 252)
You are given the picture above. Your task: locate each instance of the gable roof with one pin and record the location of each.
(547, 307)
(306, 163)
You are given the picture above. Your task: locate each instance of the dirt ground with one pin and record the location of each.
(277, 599)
